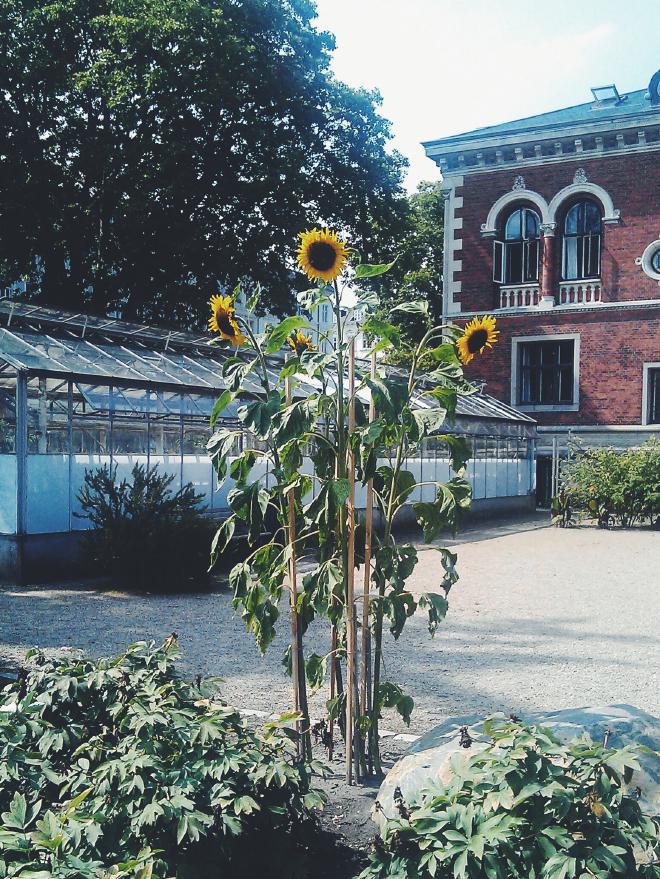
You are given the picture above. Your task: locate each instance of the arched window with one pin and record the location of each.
(516, 258)
(582, 242)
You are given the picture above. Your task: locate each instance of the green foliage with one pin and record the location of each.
(143, 534)
(294, 419)
(526, 807)
(417, 273)
(614, 486)
(152, 146)
(117, 767)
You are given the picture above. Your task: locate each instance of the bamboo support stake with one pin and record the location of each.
(365, 653)
(297, 662)
(352, 763)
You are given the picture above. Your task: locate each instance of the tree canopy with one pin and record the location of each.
(154, 151)
(417, 273)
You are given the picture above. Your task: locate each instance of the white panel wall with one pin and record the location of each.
(7, 494)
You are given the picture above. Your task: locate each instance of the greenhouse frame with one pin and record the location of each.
(79, 392)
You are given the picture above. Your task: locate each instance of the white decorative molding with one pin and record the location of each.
(453, 244)
(548, 229)
(518, 183)
(580, 176)
(489, 228)
(610, 214)
(646, 260)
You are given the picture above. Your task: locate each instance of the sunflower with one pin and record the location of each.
(478, 334)
(300, 343)
(322, 255)
(222, 320)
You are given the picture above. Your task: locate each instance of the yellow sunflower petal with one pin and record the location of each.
(479, 333)
(322, 255)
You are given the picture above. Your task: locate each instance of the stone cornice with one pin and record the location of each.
(545, 314)
(468, 157)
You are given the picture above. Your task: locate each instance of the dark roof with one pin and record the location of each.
(632, 104)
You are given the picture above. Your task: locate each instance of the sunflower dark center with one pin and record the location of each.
(477, 341)
(225, 324)
(322, 256)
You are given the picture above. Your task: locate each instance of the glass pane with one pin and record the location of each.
(7, 415)
(654, 396)
(129, 437)
(195, 440)
(591, 217)
(48, 416)
(531, 225)
(514, 262)
(572, 220)
(91, 419)
(570, 259)
(513, 230)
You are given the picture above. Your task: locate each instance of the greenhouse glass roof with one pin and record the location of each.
(43, 340)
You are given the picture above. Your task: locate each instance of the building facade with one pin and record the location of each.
(552, 224)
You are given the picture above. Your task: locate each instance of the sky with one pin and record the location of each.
(447, 66)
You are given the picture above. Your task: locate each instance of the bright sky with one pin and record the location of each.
(447, 66)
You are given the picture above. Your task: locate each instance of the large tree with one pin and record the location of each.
(417, 273)
(153, 150)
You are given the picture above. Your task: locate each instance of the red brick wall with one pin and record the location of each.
(613, 347)
(633, 182)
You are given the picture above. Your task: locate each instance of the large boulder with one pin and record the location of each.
(427, 760)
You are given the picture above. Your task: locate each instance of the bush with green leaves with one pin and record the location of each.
(525, 807)
(615, 486)
(120, 763)
(144, 534)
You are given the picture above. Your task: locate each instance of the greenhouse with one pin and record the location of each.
(80, 392)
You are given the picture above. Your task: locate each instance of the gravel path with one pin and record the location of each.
(541, 619)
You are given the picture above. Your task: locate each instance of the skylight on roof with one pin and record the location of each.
(606, 94)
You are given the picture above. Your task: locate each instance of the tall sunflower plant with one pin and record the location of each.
(323, 425)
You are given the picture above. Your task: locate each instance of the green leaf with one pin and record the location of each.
(222, 539)
(437, 607)
(257, 415)
(374, 326)
(364, 270)
(419, 306)
(315, 671)
(280, 333)
(220, 405)
(250, 504)
(340, 488)
(427, 421)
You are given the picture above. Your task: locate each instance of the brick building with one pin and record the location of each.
(552, 224)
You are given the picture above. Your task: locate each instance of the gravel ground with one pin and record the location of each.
(541, 618)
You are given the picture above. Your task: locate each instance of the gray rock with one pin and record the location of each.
(428, 759)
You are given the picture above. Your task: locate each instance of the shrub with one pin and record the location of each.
(526, 807)
(615, 486)
(145, 535)
(120, 763)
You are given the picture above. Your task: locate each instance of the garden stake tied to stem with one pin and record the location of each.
(329, 427)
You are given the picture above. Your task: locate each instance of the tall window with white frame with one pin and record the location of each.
(516, 257)
(546, 373)
(653, 396)
(582, 242)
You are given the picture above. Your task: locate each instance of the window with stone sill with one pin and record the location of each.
(516, 256)
(581, 242)
(653, 396)
(546, 373)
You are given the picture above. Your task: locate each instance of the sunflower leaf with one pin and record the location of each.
(280, 333)
(365, 270)
(419, 306)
